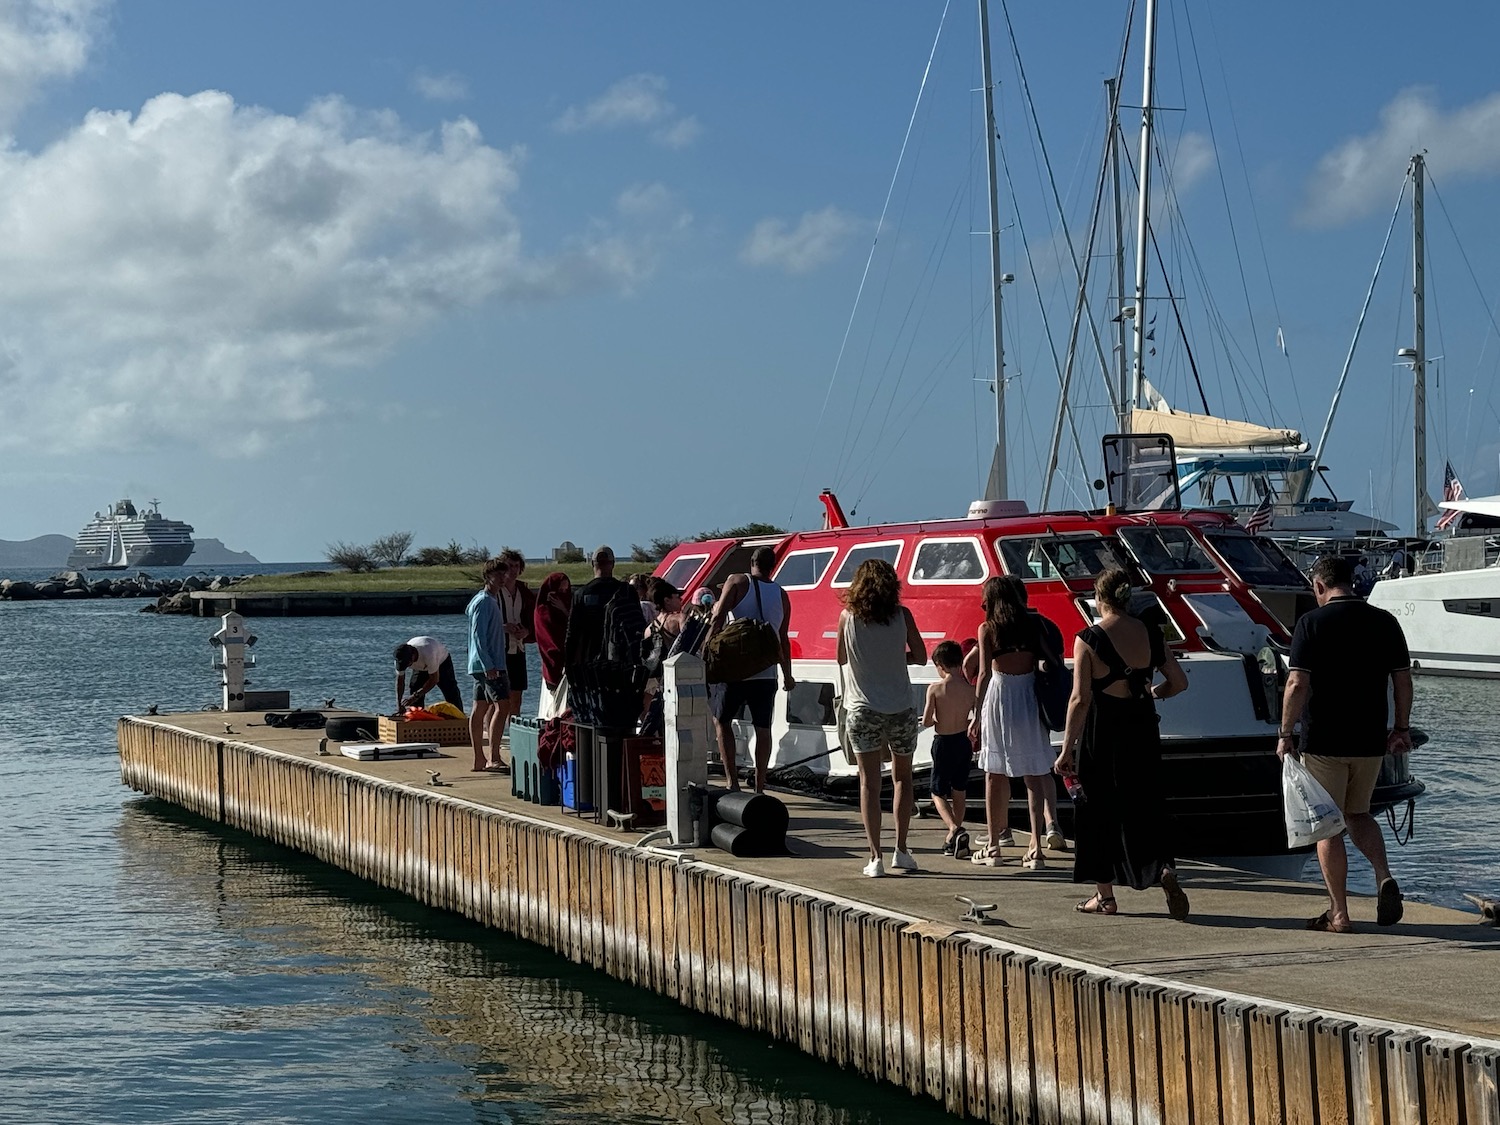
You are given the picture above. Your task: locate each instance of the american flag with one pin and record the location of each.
(1260, 519)
(1452, 490)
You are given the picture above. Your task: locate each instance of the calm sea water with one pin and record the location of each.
(155, 968)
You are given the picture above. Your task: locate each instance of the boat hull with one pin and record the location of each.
(1451, 620)
(167, 554)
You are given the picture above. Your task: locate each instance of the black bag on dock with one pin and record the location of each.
(296, 720)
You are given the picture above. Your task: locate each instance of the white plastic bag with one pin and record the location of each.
(1311, 814)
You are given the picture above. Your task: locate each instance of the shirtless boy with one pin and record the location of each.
(950, 704)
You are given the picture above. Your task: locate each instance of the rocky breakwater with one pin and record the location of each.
(171, 595)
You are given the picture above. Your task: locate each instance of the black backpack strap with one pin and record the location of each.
(760, 610)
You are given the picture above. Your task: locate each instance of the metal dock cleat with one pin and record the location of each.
(434, 778)
(1489, 908)
(977, 912)
(624, 821)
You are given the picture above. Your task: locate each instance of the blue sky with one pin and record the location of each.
(513, 273)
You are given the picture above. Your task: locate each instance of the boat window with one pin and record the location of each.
(948, 560)
(1258, 562)
(684, 570)
(889, 551)
(1167, 550)
(803, 569)
(1471, 607)
(1145, 605)
(1070, 557)
(810, 704)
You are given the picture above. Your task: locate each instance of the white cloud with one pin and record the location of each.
(440, 87)
(1362, 174)
(1192, 159)
(40, 41)
(193, 272)
(679, 134)
(818, 238)
(644, 199)
(639, 100)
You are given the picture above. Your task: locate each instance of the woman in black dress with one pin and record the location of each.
(1113, 746)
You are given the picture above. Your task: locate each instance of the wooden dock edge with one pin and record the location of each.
(991, 1030)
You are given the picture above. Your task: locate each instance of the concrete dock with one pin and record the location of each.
(325, 603)
(1239, 1014)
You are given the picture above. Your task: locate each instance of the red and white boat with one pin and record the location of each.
(1226, 599)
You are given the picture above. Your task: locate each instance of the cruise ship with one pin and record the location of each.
(123, 537)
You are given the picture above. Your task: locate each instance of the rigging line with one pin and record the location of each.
(1359, 325)
(1078, 310)
(925, 282)
(1223, 338)
(1171, 296)
(1469, 266)
(929, 276)
(1041, 305)
(1462, 253)
(1260, 238)
(1234, 236)
(833, 378)
(899, 226)
(979, 467)
(913, 407)
(1047, 160)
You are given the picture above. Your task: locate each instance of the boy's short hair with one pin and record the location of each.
(406, 656)
(947, 654)
(496, 565)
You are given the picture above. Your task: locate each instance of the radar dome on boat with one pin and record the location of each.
(996, 509)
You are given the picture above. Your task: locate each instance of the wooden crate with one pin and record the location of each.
(445, 732)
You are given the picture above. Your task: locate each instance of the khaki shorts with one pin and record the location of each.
(1349, 781)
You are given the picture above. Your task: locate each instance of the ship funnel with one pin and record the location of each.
(997, 509)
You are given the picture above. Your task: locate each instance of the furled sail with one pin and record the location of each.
(1204, 431)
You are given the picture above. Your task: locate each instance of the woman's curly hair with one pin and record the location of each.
(875, 594)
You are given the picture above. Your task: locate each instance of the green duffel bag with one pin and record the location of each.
(743, 648)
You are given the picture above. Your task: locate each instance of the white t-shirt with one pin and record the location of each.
(431, 653)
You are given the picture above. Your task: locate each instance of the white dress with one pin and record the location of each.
(1012, 738)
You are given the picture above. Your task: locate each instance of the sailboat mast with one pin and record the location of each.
(997, 487)
(1143, 226)
(1420, 498)
(1122, 405)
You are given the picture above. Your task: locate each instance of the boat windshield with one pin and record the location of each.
(1167, 550)
(1038, 557)
(1258, 562)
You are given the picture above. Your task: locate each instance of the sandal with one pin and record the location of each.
(1177, 901)
(987, 856)
(1097, 904)
(1033, 860)
(1324, 924)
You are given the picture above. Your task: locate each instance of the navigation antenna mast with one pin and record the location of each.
(1420, 499)
(997, 487)
(1143, 227)
(1121, 397)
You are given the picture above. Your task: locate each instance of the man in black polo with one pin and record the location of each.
(1343, 654)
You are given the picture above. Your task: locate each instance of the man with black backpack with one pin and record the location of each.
(749, 598)
(602, 650)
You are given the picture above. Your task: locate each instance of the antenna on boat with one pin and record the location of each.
(1143, 225)
(998, 485)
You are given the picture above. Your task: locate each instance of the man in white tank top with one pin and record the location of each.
(756, 597)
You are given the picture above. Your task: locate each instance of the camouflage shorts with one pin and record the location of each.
(873, 731)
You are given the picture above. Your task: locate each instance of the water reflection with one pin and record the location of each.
(517, 1033)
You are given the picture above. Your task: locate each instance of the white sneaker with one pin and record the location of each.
(902, 861)
(1007, 840)
(874, 869)
(1054, 839)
